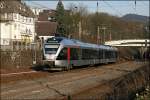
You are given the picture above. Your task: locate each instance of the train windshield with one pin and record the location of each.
(54, 40)
(51, 48)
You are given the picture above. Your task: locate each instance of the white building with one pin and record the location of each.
(36, 10)
(17, 22)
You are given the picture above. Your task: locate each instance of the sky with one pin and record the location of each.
(113, 7)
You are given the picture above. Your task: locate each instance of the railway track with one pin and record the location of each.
(61, 84)
(53, 73)
(10, 74)
(33, 75)
(30, 75)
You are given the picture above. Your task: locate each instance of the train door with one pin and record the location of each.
(69, 58)
(68, 55)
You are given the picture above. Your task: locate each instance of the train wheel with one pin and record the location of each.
(69, 67)
(64, 68)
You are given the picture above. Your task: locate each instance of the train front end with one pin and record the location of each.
(50, 49)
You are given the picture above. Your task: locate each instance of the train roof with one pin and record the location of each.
(76, 43)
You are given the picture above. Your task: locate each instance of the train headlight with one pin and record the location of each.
(51, 57)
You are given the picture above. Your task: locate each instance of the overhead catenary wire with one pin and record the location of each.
(144, 3)
(133, 6)
(39, 5)
(112, 7)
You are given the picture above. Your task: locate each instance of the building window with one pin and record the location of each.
(49, 18)
(6, 42)
(26, 30)
(20, 7)
(29, 31)
(2, 16)
(10, 16)
(15, 26)
(14, 36)
(30, 20)
(24, 9)
(18, 26)
(5, 15)
(26, 19)
(18, 17)
(15, 16)
(22, 18)
(1, 5)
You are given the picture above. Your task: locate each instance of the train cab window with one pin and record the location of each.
(63, 54)
(50, 50)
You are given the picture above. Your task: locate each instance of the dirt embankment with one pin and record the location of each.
(122, 88)
(19, 59)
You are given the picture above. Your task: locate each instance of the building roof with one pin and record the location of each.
(45, 28)
(15, 6)
(43, 16)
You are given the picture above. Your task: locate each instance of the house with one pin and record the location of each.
(17, 22)
(36, 11)
(46, 25)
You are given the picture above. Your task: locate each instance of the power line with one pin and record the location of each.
(135, 6)
(112, 7)
(37, 4)
(144, 3)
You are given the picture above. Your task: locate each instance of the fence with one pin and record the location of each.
(20, 55)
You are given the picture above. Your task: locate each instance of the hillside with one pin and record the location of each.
(134, 17)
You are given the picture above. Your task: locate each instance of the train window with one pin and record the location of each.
(103, 53)
(85, 54)
(100, 53)
(113, 54)
(63, 54)
(90, 54)
(116, 55)
(107, 54)
(110, 55)
(94, 54)
(74, 54)
(79, 53)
